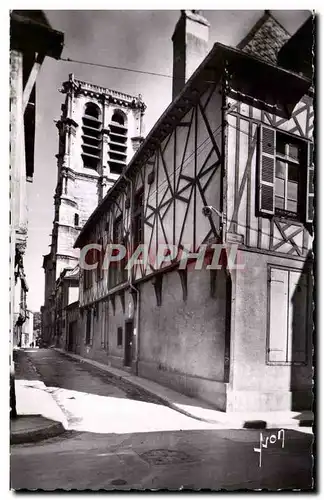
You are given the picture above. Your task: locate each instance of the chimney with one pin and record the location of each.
(190, 47)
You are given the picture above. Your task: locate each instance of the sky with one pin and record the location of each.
(130, 39)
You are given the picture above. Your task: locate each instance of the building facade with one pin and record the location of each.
(66, 293)
(27, 335)
(230, 163)
(31, 40)
(99, 130)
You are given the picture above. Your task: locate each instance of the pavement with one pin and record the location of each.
(38, 415)
(200, 410)
(120, 437)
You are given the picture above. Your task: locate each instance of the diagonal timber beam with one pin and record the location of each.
(32, 79)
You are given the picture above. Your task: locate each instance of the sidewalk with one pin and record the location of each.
(200, 410)
(39, 416)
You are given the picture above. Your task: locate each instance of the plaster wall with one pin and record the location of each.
(182, 342)
(254, 383)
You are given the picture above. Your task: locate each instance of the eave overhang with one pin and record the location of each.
(298, 53)
(252, 80)
(30, 35)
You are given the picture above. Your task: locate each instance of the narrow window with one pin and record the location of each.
(138, 218)
(76, 220)
(119, 336)
(287, 316)
(310, 184)
(117, 271)
(88, 327)
(100, 261)
(287, 176)
(90, 258)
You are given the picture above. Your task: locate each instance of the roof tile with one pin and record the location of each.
(265, 39)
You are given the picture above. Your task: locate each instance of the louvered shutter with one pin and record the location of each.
(310, 184)
(267, 168)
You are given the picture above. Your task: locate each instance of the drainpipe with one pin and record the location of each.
(130, 277)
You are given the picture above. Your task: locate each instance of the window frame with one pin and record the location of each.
(268, 325)
(99, 270)
(120, 336)
(117, 274)
(88, 336)
(138, 218)
(263, 182)
(302, 173)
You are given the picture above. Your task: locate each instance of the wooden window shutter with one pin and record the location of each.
(310, 184)
(297, 317)
(267, 168)
(277, 314)
(287, 316)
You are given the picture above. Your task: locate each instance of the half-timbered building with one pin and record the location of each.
(230, 162)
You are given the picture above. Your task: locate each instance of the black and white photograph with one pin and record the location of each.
(162, 229)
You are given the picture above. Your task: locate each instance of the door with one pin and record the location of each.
(128, 343)
(72, 336)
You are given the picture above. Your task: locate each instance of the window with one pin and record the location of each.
(287, 176)
(88, 327)
(138, 218)
(91, 136)
(87, 278)
(117, 271)
(117, 142)
(90, 258)
(100, 255)
(119, 336)
(76, 220)
(287, 316)
(283, 176)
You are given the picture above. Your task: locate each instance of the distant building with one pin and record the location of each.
(99, 130)
(230, 162)
(27, 334)
(66, 293)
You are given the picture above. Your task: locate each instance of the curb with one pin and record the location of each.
(138, 385)
(33, 436)
(239, 424)
(63, 419)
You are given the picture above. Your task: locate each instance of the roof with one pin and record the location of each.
(31, 31)
(34, 16)
(72, 274)
(265, 39)
(268, 84)
(298, 53)
(68, 273)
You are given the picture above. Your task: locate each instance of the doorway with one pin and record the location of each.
(72, 336)
(128, 343)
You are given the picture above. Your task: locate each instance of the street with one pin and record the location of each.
(119, 437)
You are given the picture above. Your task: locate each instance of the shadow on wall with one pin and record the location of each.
(302, 338)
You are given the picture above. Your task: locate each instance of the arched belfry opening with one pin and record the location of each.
(92, 110)
(118, 142)
(118, 117)
(91, 136)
